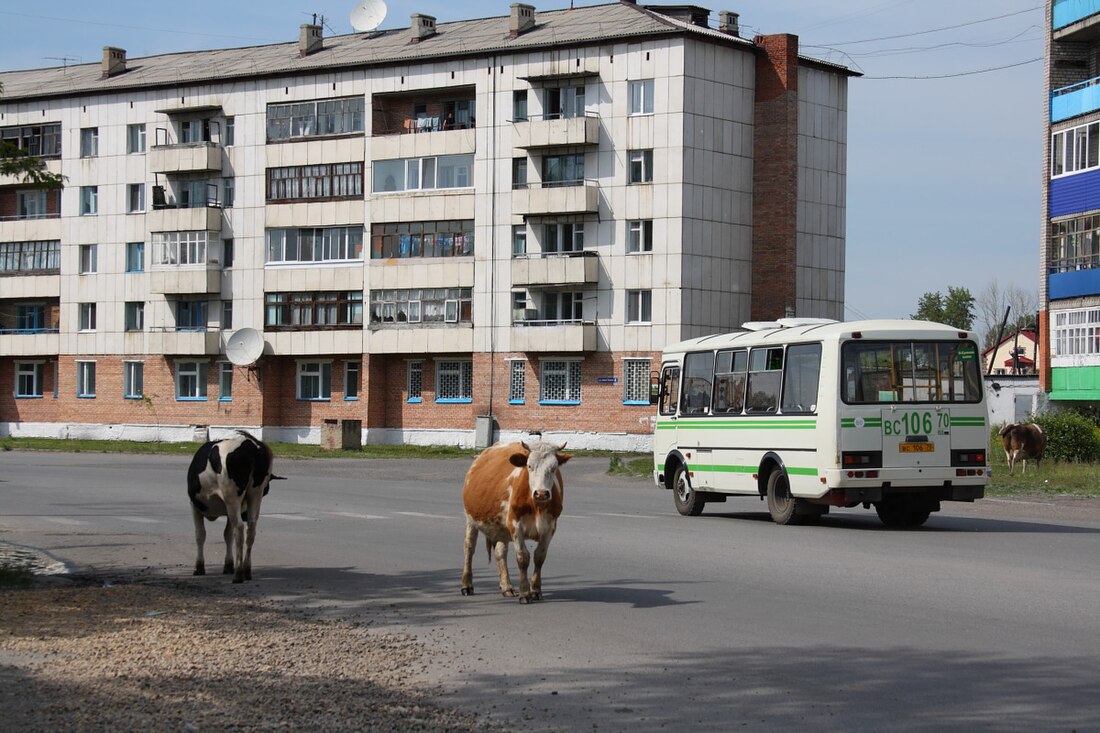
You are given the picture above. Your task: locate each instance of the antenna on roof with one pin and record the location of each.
(63, 59)
(367, 15)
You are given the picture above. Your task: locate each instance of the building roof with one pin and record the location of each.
(478, 37)
(1027, 334)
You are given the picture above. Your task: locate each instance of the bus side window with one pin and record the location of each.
(698, 377)
(800, 378)
(670, 390)
(729, 381)
(765, 376)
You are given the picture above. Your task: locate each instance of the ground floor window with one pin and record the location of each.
(351, 380)
(191, 380)
(560, 383)
(636, 382)
(225, 381)
(516, 381)
(415, 380)
(454, 381)
(133, 380)
(314, 380)
(85, 379)
(28, 379)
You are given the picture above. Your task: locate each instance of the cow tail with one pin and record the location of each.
(489, 549)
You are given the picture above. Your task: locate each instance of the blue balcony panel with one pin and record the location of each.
(1066, 12)
(1075, 100)
(1075, 284)
(1075, 194)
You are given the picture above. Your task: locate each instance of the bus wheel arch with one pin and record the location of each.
(689, 502)
(783, 507)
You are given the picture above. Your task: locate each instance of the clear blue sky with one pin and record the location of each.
(944, 170)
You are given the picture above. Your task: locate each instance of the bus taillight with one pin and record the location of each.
(968, 458)
(861, 459)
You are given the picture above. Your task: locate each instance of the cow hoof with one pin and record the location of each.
(238, 579)
(524, 600)
(467, 590)
(227, 570)
(508, 593)
(199, 571)
(535, 596)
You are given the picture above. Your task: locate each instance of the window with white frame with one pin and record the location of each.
(519, 105)
(85, 379)
(454, 381)
(229, 188)
(134, 315)
(180, 248)
(639, 236)
(640, 166)
(31, 204)
(560, 383)
(314, 380)
(351, 380)
(416, 174)
(517, 377)
(88, 258)
(327, 244)
(86, 313)
(559, 238)
(225, 381)
(313, 118)
(519, 172)
(135, 257)
(28, 378)
(1075, 150)
(230, 131)
(135, 198)
(641, 97)
(135, 138)
(639, 306)
(1075, 332)
(89, 142)
(89, 200)
(563, 102)
(227, 315)
(519, 240)
(415, 380)
(133, 380)
(421, 305)
(636, 381)
(191, 380)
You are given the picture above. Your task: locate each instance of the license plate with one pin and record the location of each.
(916, 447)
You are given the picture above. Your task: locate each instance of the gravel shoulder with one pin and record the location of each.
(94, 655)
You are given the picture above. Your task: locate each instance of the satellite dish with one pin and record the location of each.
(368, 15)
(244, 347)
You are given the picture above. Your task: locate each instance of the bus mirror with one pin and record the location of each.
(654, 388)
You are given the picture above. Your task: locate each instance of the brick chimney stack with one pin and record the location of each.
(114, 61)
(309, 39)
(728, 23)
(423, 26)
(522, 19)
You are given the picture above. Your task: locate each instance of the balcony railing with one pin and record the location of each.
(556, 197)
(547, 131)
(1075, 99)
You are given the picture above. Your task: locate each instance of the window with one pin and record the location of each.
(89, 200)
(1074, 244)
(422, 239)
(30, 317)
(519, 172)
(670, 391)
(225, 381)
(800, 377)
(43, 141)
(86, 316)
(567, 307)
(519, 240)
(20, 257)
(698, 379)
(415, 380)
(351, 380)
(639, 306)
(731, 375)
(414, 174)
(314, 380)
(895, 372)
(135, 256)
(421, 305)
(31, 204)
(561, 383)
(454, 381)
(230, 131)
(135, 198)
(197, 194)
(227, 254)
(331, 244)
(133, 380)
(134, 315)
(765, 372)
(28, 379)
(135, 138)
(561, 238)
(636, 381)
(88, 256)
(639, 236)
(227, 315)
(85, 379)
(517, 374)
(190, 315)
(519, 105)
(313, 310)
(89, 142)
(1074, 150)
(229, 187)
(641, 166)
(191, 380)
(180, 248)
(322, 181)
(564, 102)
(314, 118)
(563, 170)
(641, 97)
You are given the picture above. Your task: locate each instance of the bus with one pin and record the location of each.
(809, 414)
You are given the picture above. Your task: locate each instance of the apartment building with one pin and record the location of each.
(446, 234)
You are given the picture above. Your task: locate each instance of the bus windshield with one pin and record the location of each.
(887, 372)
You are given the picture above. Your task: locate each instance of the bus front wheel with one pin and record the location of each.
(781, 505)
(689, 502)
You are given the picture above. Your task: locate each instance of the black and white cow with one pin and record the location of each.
(229, 478)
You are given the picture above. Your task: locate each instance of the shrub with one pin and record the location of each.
(1071, 436)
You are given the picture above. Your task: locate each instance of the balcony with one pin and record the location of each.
(311, 342)
(1070, 12)
(199, 218)
(531, 334)
(185, 157)
(551, 131)
(571, 268)
(1075, 99)
(424, 110)
(420, 340)
(30, 342)
(556, 198)
(185, 343)
(195, 280)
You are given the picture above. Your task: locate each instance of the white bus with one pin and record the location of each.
(812, 413)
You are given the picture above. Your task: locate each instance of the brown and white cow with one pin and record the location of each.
(513, 492)
(229, 478)
(1022, 441)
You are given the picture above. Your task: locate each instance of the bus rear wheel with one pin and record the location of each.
(781, 505)
(689, 502)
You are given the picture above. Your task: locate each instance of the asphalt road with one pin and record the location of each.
(987, 618)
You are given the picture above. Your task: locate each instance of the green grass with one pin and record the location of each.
(15, 575)
(1052, 478)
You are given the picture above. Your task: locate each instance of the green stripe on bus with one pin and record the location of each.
(794, 471)
(968, 421)
(739, 425)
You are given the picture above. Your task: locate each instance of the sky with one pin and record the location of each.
(944, 127)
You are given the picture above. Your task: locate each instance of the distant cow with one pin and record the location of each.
(229, 478)
(513, 492)
(1022, 441)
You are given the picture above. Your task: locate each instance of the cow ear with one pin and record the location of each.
(563, 458)
(518, 460)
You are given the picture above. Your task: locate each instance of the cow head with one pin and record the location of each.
(542, 461)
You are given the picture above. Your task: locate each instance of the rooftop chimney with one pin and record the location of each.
(423, 26)
(309, 39)
(114, 61)
(522, 20)
(727, 23)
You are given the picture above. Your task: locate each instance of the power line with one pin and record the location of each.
(134, 27)
(960, 73)
(934, 30)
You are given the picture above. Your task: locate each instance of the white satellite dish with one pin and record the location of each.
(244, 347)
(368, 15)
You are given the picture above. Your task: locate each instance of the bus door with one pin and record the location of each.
(668, 401)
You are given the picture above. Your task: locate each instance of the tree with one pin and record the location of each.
(29, 169)
(955, 309)
(991, 304)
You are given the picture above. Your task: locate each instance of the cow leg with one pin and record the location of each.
(523, 559)
(252, 515)
(501, 552)
(200, 540)
(227, 565)
(234, 535)
(540, 558)
(468, 546)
